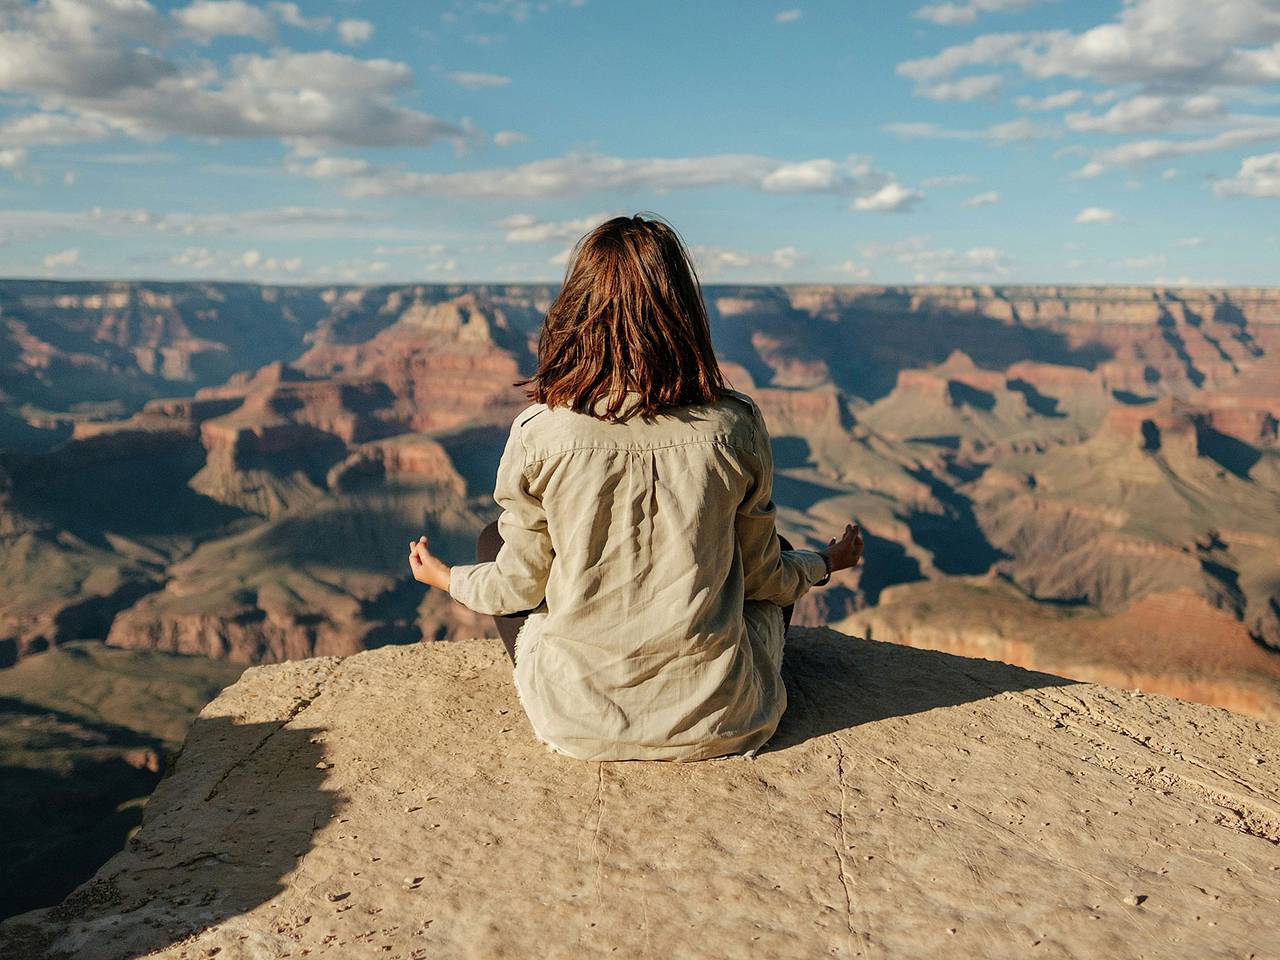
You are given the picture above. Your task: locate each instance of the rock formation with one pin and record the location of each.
(1090, 461)
(85, 731)
(912, 803)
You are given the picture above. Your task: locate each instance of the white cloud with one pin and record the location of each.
(1148, 113)
(413, 249)
(75, 48)
(289, 223)
(354, 32)
(948, 180)
(1186, 43)
(103, 62)
(951, 14)
(13, 159)
(891, 198)
(964, 89)
(787, 258)
(1187, 58)
(50, 129)
(509, 138)
(1259, 176)
(817, 176)
(1188, 242)
(1139, 152)
(853, 270)
(712, 261)
(787, 16)
(580, 173)
(1014, 131)
(478, 81)
(202, 261)
(1095, 215)
(288, 13)
(991, 48)
(524, 228)
(1053, 101)
(982, 199)
(63, 258)
(1011, 131)
(941, 265)
(225, 18)
(198, 258)
(1144, 262)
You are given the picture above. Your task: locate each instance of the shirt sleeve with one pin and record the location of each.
(516, 579)
(771, 573)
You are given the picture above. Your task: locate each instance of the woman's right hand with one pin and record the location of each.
(847, 551)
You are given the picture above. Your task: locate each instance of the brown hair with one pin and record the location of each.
(629, 316)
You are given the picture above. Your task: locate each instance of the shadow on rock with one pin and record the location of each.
(835, 682)
(224, 831)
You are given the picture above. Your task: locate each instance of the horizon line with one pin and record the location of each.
(846, 284)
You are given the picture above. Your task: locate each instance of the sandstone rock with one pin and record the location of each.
(396, 804)
(1099, 447)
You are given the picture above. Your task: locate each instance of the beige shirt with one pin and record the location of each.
(648, 553)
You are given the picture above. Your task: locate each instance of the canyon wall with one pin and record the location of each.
(1067, 473)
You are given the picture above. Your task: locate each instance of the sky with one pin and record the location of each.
(370, 141)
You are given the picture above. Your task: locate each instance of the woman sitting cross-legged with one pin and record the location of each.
(635, 572)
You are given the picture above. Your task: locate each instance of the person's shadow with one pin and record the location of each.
(224, 832)
(835, 682)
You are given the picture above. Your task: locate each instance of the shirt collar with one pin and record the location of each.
(630, 399)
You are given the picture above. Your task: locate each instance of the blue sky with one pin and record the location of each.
(974, 141)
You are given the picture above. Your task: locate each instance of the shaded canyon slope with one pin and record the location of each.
(912, 803)
(1086, 480)
(85, 732)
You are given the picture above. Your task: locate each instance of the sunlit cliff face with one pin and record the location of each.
(1041, 472)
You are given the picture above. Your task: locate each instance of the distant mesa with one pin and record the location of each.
(228, 469)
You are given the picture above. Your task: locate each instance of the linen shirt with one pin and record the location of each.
(648, 554)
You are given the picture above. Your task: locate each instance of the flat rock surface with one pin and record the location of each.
(912, 804)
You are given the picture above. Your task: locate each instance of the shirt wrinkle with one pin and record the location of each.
(654, 576)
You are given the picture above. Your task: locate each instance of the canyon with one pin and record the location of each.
(198, 477)
(1066, 477)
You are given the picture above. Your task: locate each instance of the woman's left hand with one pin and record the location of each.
(426, 568)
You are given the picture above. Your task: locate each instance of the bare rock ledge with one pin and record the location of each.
(912, 804)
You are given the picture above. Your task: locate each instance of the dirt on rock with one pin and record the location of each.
(912, 803)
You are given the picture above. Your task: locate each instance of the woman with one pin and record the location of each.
(635, 571)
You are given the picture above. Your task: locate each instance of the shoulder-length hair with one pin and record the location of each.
(629, 317)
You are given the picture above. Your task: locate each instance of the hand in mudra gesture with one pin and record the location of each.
(847, 551)
(426, 567)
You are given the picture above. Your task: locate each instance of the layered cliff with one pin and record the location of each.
(1062, 464)
(912, 803)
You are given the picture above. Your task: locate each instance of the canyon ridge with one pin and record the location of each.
(1083, 480)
